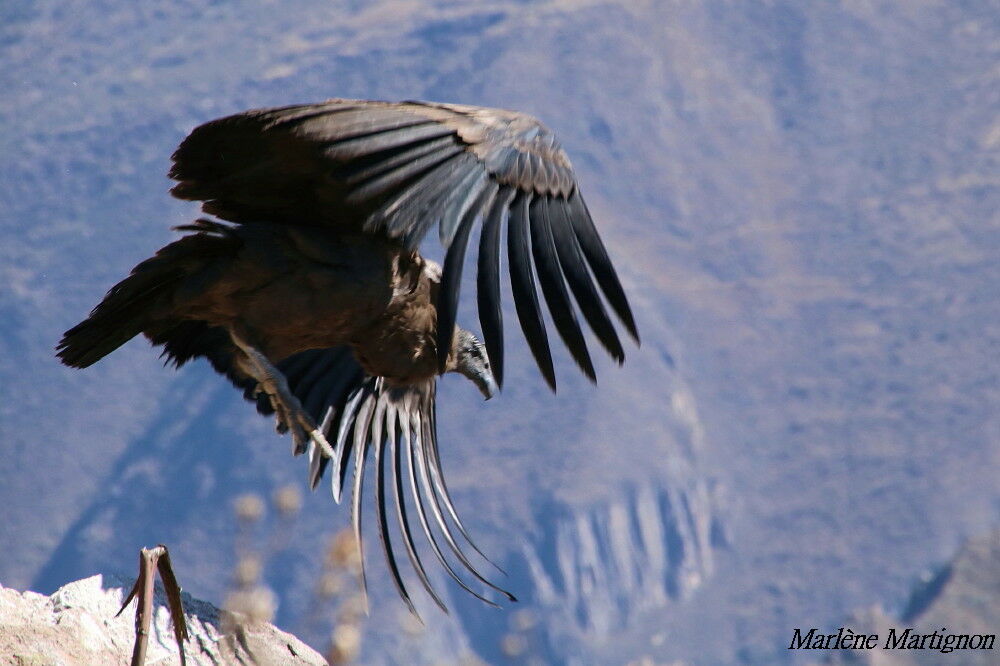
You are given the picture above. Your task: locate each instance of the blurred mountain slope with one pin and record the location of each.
(963, 594)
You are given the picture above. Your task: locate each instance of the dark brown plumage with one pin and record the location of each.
(314, 299)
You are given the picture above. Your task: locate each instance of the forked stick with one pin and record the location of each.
(151, 560)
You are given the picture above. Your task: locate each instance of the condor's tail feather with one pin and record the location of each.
(140, 300)
(122, 315)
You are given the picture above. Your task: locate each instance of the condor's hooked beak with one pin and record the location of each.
(477, 368)
(486, 383)
(471, 360)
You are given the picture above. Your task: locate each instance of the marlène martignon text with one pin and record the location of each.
(898, 639)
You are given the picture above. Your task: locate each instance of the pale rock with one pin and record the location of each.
(77, 625)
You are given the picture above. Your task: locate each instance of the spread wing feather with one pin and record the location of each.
(399, 168)
(451, 278)
(488, 284)
(574, 267)
(363, 413)
(523, 287)
(554, 288)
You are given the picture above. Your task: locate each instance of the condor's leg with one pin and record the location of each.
(287, 407)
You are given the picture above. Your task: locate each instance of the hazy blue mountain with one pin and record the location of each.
(801, 198)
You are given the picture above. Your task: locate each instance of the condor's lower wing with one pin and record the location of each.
(359, 414)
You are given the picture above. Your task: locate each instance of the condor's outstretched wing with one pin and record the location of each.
(399, 168)
(362, 418)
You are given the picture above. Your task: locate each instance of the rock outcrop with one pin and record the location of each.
(77, 625)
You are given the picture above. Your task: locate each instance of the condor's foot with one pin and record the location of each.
(152, 560)
(287, 408)
(290, 416)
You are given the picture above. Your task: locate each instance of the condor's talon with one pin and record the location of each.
(319, 440)
(288, 410)
(305, 432)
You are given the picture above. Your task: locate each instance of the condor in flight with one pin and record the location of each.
(312, 296)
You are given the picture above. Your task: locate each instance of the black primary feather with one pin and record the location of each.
(599, 262)
(379, 438)
(523, 286)
(488, 282)
(575, 269)
(418, 497)
(405, 416)
(550, 277)
(451, 278)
